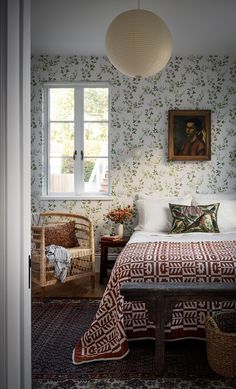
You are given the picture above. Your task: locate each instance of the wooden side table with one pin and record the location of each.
(105, 262)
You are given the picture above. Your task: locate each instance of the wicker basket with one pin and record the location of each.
(221, 343)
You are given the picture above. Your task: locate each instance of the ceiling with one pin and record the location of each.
(70, 27)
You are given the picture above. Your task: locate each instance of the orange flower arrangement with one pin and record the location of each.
(120, 215)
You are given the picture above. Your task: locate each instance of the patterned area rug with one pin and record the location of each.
(56, 327)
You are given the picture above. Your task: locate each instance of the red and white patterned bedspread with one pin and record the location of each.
(117, 321)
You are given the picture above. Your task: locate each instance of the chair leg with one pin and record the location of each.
(42, 294)
(93, 281)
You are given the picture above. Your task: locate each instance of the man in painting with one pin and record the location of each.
(194, 145)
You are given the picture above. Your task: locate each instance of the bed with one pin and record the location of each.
(155, 256)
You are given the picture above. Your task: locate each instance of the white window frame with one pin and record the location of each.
(79, 140)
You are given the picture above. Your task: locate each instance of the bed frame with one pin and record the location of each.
(160, 299)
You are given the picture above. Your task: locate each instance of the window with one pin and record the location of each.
(77, 149)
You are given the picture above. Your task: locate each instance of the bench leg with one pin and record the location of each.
(160, 336)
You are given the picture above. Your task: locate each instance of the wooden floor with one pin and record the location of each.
(77, 288)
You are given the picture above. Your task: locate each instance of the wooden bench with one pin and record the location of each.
(160, 299)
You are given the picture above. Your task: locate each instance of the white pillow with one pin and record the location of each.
(159, 196)
(210, 198)
(154, 214)
(226, 216)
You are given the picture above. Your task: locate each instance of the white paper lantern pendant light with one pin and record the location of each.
(138, 43)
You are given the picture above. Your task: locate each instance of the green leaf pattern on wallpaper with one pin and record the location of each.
(139, 110)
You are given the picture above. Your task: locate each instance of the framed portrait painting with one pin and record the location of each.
(189, 135)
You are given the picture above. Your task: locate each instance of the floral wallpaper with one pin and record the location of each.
(139, 129)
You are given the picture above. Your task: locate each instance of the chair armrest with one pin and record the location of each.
(37, 242)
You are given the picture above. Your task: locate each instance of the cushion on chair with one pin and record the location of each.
(61, 235)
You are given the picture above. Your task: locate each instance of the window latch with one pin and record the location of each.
(74, 155)
(82, 155)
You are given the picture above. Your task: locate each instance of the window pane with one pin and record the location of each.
(61, 104)
(61, 175)
(95, 104)
(96, 139)
(61, 139)
(96, 175)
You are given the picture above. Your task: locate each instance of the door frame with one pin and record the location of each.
(15, 295)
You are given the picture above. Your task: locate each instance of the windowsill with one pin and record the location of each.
(78, 198)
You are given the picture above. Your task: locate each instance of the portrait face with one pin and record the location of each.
(190, 129)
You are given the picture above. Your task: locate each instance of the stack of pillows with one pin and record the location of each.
(190, 213)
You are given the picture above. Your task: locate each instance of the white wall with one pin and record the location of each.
(15, 363)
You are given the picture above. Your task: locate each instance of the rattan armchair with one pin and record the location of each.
(82, 256)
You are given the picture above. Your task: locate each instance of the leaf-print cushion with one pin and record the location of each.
(200, 218)
(61, 235)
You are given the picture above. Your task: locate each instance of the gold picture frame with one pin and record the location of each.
(189, 135)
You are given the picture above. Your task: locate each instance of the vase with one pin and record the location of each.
(120, 230)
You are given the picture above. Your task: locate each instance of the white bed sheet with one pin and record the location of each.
(142, 236)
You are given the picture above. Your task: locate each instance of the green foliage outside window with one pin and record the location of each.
(62, 133)
(88, 168)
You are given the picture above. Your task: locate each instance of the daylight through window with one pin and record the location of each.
(77, 128)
